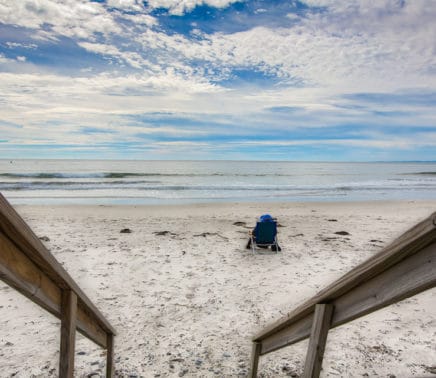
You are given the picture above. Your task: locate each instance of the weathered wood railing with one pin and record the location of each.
(30, 268)
(404, 268)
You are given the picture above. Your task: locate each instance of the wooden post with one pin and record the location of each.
(255, 359)
(110, 356)
(29, 267)
(68, 333)
(317, 341)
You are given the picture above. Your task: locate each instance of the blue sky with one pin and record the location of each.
(218, 79)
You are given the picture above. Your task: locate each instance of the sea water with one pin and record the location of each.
(173, 182)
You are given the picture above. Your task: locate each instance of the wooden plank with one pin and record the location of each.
(403, 280)
(16, 229)
(406, 245)
(255, 354)
(318, 339)
(18, 271)
(110, 356)
(87, 326)
(68, 334)
(295, 332)
(409, 277)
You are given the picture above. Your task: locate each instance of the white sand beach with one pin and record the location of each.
(186, 297)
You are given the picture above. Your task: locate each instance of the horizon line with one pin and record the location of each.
(224, 160)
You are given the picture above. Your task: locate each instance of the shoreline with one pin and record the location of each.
(272, 203)
(186, 297)
(178, 202)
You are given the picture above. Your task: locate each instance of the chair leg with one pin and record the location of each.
(252, 245)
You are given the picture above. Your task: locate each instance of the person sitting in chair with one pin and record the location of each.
(253, 233)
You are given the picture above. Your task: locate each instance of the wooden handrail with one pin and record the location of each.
(404, 268)
(27, 265)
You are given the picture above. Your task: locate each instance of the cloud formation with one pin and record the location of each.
(221, 74)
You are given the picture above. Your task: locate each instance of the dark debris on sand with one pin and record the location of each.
(163, 233)
(342, 233)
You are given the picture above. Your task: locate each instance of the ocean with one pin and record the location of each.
(177, 182)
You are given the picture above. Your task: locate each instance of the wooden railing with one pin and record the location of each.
(27, 266)
(404, 268)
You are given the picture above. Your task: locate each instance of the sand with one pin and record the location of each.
(186, 297)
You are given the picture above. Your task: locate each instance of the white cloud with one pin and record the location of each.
(140, 19)
(133, 59)
(182, 144)
(386, 143)
(13, 45)
(350, 47)
(38, 99)
(135, 5)
(3, 59)
(364, 49)
(179, 7)
(71, 18)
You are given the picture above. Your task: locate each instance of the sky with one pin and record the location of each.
(317, 80)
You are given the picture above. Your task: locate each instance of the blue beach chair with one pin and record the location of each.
(264, 234)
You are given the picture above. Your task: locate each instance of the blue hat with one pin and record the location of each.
(265, 218)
